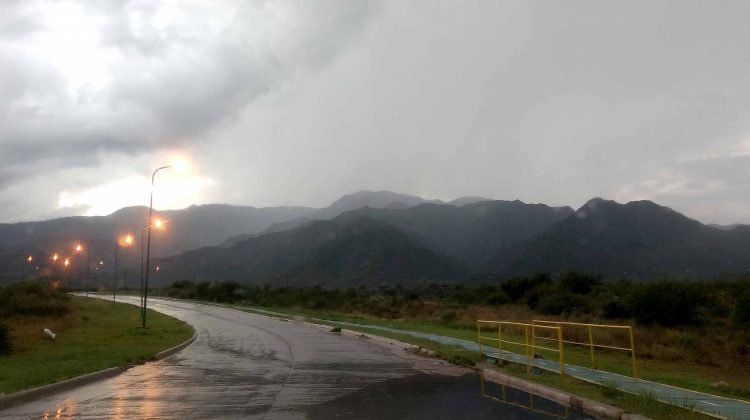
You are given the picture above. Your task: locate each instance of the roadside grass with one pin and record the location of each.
(683, 374)
(640, 404)
(95, 335)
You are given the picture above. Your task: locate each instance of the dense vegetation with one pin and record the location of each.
(666, 303)
(37, 299)
(703, 321)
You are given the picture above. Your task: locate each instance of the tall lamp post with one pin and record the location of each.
(67, 266)
(158, 225)
(148, 245)
(80, 248)
(123, 241)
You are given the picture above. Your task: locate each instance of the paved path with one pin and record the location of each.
(249, 366)
(709, 404)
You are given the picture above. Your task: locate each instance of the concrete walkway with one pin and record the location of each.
(705, 403)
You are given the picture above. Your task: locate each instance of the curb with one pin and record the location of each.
(28, 395)
(590, 407)
(170, 351)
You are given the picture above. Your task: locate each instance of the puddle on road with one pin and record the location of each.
(425, 396)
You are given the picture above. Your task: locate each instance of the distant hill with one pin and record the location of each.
(476, 233)
(190, 228)
(372, 238)
(637, 240)
(348, 251)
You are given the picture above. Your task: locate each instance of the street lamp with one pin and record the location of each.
(148, 244)
(23, 270)
(67, 266)
(78, 249)
(158, 224)
(123, 241)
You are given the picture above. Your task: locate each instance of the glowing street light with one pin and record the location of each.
(158, 225)
(23, 267)
(66, 263)
(55, 258)
(125, 241)
(78, 248)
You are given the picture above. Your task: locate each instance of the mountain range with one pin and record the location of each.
(379, 238)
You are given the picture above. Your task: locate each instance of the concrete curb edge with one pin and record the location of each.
(170, 351)
(28, 395)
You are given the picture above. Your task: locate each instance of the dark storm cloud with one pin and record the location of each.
(165, 85)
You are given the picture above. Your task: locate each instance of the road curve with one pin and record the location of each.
(248, 366)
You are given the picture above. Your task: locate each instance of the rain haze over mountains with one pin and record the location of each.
(449, 118)
(289, 103)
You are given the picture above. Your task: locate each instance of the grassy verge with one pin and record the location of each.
(683, 374)
(632, 403)
(95, 335)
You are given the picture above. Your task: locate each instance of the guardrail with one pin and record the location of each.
(591, 345)
(529, 344)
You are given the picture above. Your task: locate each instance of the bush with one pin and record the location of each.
(563, 302)
(34, 299)
(580, 283)
(742, 310)
(497, 298)
(6, 347)
(615, 309)
(668, 303)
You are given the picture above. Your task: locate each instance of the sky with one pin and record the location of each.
(299, 102)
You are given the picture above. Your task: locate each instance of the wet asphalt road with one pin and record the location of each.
(248, 366)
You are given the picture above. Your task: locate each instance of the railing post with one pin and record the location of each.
(479, 340)
(561, 349)
(500, 344)
(533, 341)
(632, 350)
(591, 345)
(526, 347)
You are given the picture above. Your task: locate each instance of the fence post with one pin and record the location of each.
(561, 349)
(499, 344)
(632, 350)
(533, 341)
(526, 347)
(591, 345)
(479, 340)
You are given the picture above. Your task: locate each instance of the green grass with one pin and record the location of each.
(643, 405)
(96, 335)
(681, 374)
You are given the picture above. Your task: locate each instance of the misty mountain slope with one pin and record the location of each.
(350, 250)
(189, 228)
(475, 234)
(639, 239)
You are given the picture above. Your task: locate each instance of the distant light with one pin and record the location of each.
(30, 259)
(79, 248)
(55, 257)
(180, 164)
(67, 262)
(158, 223)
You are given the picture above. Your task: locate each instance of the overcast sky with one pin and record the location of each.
(298, 103)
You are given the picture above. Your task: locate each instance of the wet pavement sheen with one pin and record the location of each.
(249, 366)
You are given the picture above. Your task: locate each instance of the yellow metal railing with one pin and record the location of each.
(591, 344)
(529, 331)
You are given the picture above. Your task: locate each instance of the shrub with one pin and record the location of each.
(497, 298)
(31, 298)
(580, 283)
(562, 302)
(6, 347)
(742, 310)
(615, 308)
(668, 303)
